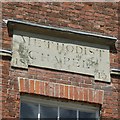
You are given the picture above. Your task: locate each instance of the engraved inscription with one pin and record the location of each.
(82, 58)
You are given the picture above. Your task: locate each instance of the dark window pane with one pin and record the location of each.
(29, 110)
(87, 115)
(67, 114)
(48, 112)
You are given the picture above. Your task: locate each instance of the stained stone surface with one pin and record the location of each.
(61, 54)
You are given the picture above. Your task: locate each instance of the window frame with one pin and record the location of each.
(71, 105)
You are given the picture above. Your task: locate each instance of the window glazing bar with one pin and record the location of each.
(39, 112)
(58, 113)
(77, 114)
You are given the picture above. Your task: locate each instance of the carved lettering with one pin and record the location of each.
(30, 54)
(69, 48)
(63, 55)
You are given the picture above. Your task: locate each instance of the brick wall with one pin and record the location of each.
(99, 18)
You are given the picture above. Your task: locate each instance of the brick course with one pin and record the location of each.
(49, 89)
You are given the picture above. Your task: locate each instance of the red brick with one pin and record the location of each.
(51, 89)
(104, 20)
(71, 92)
(109, 111)
(27, 85)
(96, 96)
(91, 96)
(31, 87)
(76, 93)
(57, 90)
(37, 87)
(62, 89)
(101, 96)
(66, 92)
(81, 94)
(22, 85)
(85, 94)
(46, 88)
(42, 88)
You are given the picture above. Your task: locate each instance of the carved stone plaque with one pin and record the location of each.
(61, 54)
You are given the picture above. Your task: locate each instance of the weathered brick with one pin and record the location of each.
(76, 93)
(66, 92)
(21, 84)
(31, 87)
(101, 96)
(91, 97)
(81, 94)
(101, 18)
(62, 89)
(46, 88)
(42, 88)
(86, 94)
(37, 87)
(57, 90)
(96, 96)
(71, 92)
(27, 85)
(51, 89)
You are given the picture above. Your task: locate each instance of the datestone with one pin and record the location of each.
(61, 54)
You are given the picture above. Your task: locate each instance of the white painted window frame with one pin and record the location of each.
(61, 103)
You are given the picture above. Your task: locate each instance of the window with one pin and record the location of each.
(41, 109)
